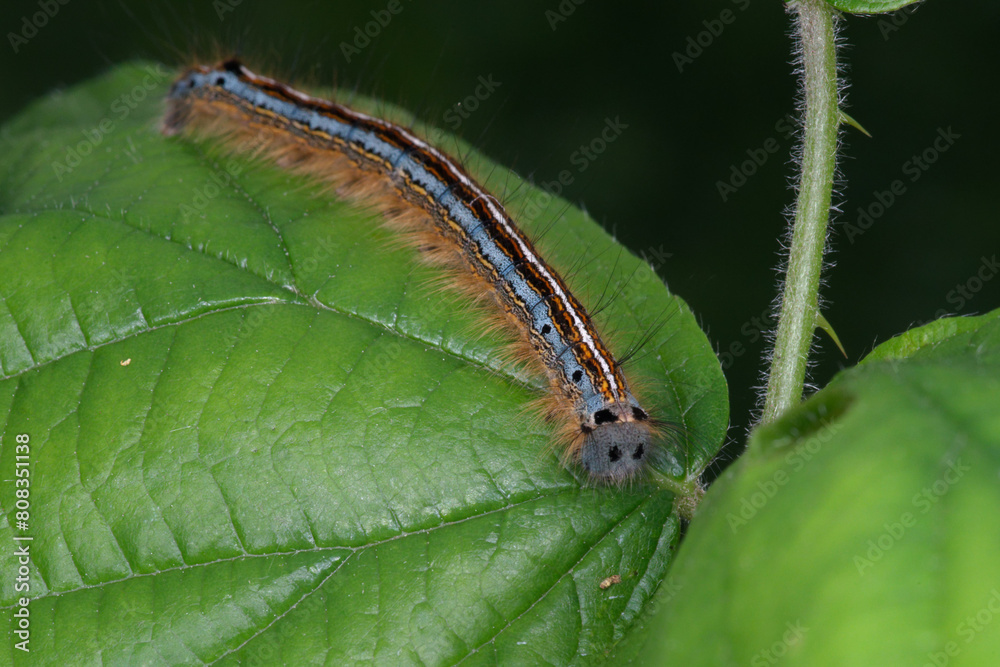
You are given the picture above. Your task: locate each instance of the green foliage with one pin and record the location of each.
(258, 436)
(929, 338)
(859, 529)
(870, 6)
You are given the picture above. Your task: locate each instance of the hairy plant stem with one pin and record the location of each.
(800, 302)
(687, 492)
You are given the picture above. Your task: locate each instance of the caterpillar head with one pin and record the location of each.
(617, 443)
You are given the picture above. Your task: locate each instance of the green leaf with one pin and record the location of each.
(257, 435)
(862, 528)
(871, 6)
(928, 339)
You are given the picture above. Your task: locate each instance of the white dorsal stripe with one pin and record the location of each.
(495, 210)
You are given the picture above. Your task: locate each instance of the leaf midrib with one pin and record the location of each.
(353, 550)
(300, 299)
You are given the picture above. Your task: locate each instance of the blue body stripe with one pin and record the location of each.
(440, 191)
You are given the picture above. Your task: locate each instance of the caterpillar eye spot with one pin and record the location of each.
(577, 376)
(639, 415)
(616, 452)
(605, 417)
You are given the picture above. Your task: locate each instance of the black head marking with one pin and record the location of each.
(615, 451)
(605, 417)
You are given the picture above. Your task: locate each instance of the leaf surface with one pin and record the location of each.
(859, 529)
(871, 6)
(259, 434)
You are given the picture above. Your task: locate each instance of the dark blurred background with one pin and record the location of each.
(703, 88)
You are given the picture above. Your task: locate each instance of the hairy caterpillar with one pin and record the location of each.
(461, 226)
